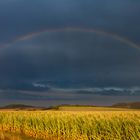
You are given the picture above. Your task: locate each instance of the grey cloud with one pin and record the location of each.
(64, 97)
(120, 17)
(69, 60)
(71, 56)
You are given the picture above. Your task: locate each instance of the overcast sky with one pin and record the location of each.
(95, 61)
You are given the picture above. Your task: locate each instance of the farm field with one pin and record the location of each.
(14, 136)
(91, 108)
(73, 123)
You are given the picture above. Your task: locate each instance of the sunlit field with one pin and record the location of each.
(73, 125)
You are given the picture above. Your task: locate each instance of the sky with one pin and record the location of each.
(69, 52)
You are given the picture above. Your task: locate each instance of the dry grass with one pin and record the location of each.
(90, 108)
(71, 125)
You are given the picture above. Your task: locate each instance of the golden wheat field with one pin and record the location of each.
(73, 125)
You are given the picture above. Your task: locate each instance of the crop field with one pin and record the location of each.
(90, 108)
(73, 125)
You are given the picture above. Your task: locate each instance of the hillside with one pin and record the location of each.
(21, 107)
(131, 105)
(115, 107)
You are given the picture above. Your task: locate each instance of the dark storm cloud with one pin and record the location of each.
(80, 57)
(66, 97)
(68, 59)
(20, 17)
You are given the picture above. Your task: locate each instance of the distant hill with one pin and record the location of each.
(131, 105)
(21, 107)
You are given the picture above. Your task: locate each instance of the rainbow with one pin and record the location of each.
(88, 30)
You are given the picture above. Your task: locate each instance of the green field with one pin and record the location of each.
(74, 123)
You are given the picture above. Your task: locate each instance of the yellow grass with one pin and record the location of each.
(73, 125)
(90, 108)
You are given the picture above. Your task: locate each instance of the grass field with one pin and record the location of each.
(99, 124)
(90, 108)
